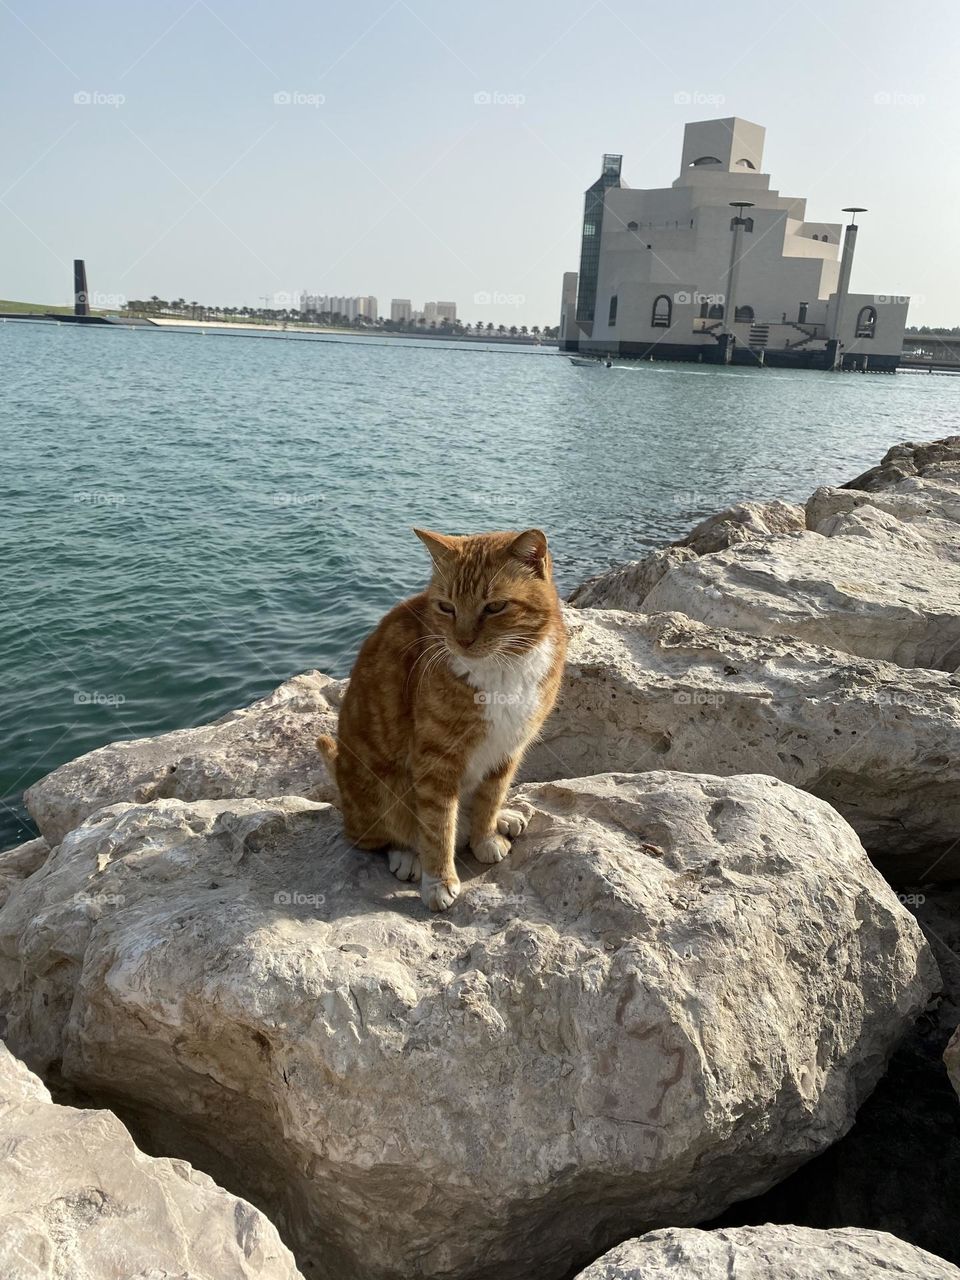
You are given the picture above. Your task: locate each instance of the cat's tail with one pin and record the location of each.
(327, 745)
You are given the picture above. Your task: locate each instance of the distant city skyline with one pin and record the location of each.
(224, 152)
(354, 306)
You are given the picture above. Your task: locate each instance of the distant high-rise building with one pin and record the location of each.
(437, 312)
(401, 310)
(337, 305)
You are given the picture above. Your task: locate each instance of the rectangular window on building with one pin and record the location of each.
(612, 317)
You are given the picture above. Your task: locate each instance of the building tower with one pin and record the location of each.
(81, 298)
(590, 240)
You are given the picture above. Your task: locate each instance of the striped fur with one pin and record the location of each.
(443, 700)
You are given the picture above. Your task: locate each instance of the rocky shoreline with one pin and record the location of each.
(717, 941)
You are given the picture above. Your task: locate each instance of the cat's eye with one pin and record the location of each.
(445, 606)
(495, 606)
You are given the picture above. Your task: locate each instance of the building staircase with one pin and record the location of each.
(808, 336)
(759, 335)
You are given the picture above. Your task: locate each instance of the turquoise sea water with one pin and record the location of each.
(187, 520)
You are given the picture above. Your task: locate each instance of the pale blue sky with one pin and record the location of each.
(400, 184)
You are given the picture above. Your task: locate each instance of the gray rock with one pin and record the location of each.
(913, 501)
(878, 1176)
(876, 587)
(641, 691)
(78, 1201)
(626, 586)
(743, 522)
(265, 749)
(927, 458)
(768, 1253)
(926, 507)
(675, 991)
(880, 743)
(19, 862)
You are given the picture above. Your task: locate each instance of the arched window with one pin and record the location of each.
(705, 160)
(662, 312)
(633, 226)
(816, 237)
(612, 317)
(866, 322)
(704, 308)
(715, 312)
(745, 164)
(744, 315)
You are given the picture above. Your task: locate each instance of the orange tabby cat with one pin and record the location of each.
(445, 696)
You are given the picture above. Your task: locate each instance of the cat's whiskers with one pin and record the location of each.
(430, 635)
(435, 659)
(429, 653)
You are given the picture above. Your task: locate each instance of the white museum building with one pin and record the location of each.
(720, 268)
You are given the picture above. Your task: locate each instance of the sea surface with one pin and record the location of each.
(188, 519)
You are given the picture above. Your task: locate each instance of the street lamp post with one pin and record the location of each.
(730, 301)
(843, 279)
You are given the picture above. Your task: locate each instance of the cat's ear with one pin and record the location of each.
(440, 545)
(530, 548)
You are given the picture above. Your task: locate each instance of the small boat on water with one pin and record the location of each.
(593, 361)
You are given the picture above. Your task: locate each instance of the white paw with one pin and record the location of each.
(404, 865)
(439, 894)
(512, 823)
(492, 849)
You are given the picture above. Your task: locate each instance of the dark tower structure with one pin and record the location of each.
(81, 303)
(590, 240)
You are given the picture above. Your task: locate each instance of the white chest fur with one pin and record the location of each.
(508, 690)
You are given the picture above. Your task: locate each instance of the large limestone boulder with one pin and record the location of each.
(927, 458)
(879, 1174)
(926, 507)
(641, 691)
(879, 743)
(770, 1252)
(626, 586)
(743, 522)
(78, 1201)
(675, 991)
(876, 587)
(913, 501)
(19, 862)
(265, 749)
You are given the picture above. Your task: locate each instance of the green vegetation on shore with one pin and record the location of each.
(41, 308)
(32, 307)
